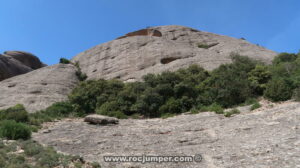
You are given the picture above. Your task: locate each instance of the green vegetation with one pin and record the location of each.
(35, 156)
(231, 112)
(80, 75)
(169, 93)
(64, 61)
(278, 90)
(16, 113)
(213, 107)
(17, 123)
(296, 94)
(12, 130)
(255, 106)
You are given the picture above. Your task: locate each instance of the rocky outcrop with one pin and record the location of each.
(10, 67)
(26, 58)
(143, 32)
(100, 119)
(14, 63)
(267, 137)
(40, 88)
(162, 48)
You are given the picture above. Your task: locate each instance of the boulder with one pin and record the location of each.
(40, 88)
(164, 48)
(26, 58)
(100, 119)
(10, 67)
(14, 63)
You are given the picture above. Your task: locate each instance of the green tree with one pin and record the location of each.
(278, 90)
(259, 77)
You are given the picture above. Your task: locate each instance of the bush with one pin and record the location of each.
(231, 112)
(31, 148)
(278, 90)
(13, 130)
(255, 106)
(258, 78)
(227, 86)
(59, 109)
(80, 75)
(64, 61)
(149, 103)
(16, 113)
(296, 94)
(284, 57)
(90, 94)
(111, 109)
(172, 106)
(214, 107)
(48, 158)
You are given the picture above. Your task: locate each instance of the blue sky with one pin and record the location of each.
(52, 29)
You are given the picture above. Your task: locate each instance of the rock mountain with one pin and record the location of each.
(162, 48)
(128, 58)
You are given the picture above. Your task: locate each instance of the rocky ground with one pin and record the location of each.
(264, 138)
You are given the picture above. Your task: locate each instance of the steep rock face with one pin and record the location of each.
(162, 48)
(40, 88)
(14, 63)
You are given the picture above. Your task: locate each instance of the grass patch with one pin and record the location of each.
(255, 106)
(231, 112)
(214, 107)
(36, 156)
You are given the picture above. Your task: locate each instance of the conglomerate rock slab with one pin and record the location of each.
(40, 88)
(13, 63)
(261, 138)
(164, 48)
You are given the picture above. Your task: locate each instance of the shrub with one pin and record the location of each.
(278, 90)
(90, 94)
(284, 57)
(193, 75)
(172, 106)
(111, 109)
(16, 113)
(227, 86)
(255, 106)
(296, 94)
(64, 61)
(214, 107)
(148, 103)
(80, 75)
(31, 148)
(95, 165)
(48, 158)
(59, 109)
(13, 130)
(231, 112)
(258, 78)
